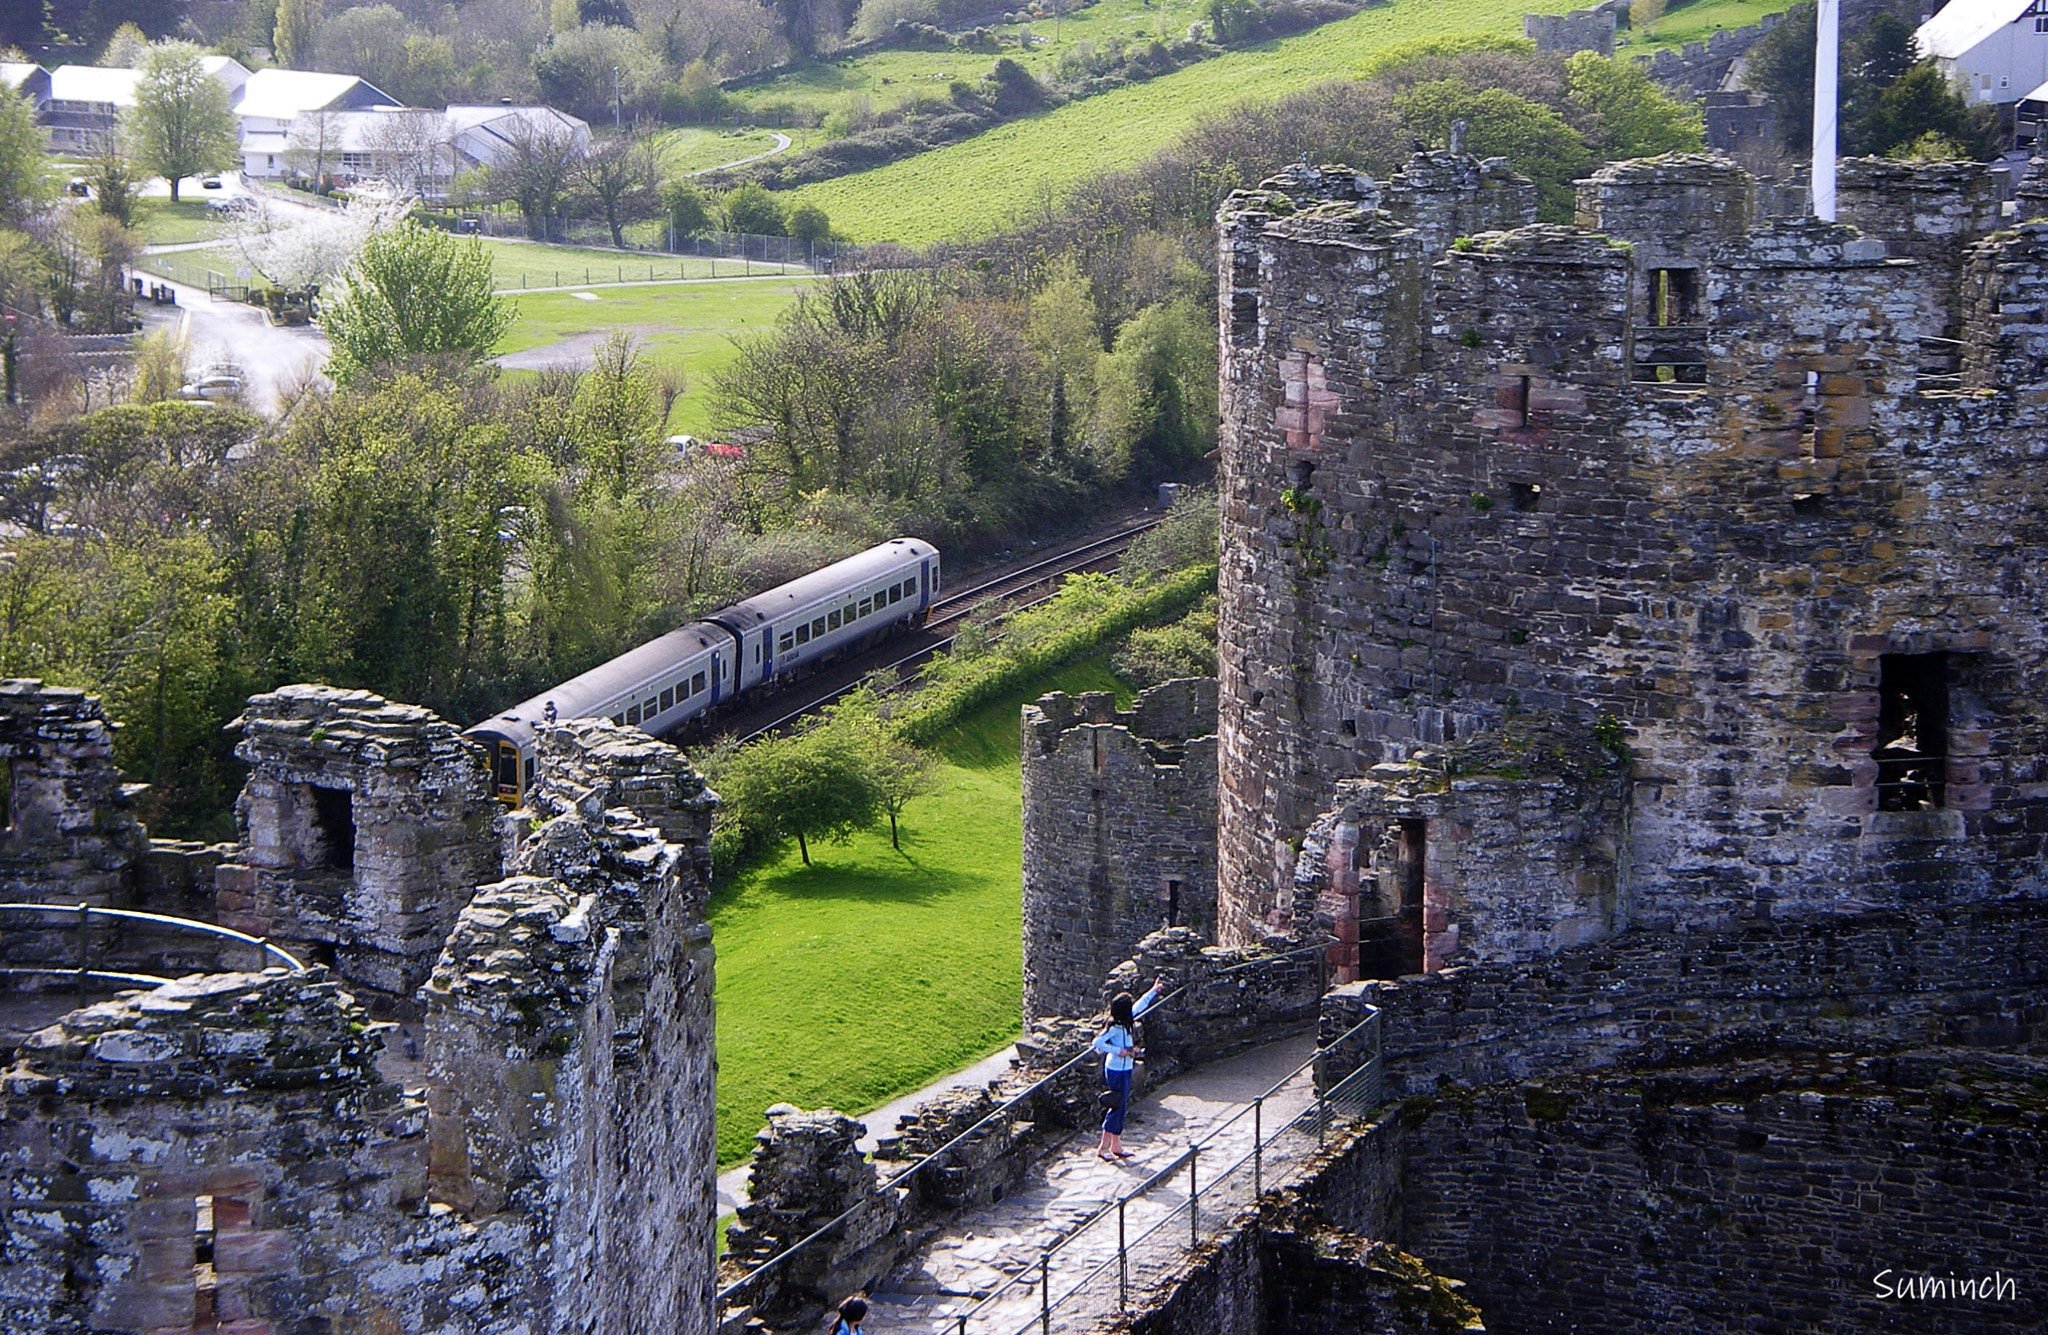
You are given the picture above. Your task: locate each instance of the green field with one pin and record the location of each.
(1695, 22)
(982, 184)
(522, 265)
(696, 148)
(873, 972)
(889, 77)
(687, 324)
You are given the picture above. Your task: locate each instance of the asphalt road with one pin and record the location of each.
(228, 331)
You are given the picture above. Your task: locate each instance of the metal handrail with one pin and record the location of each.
(1001, 1110)
(739, 1285)
(1189, 1158)
(83, 914)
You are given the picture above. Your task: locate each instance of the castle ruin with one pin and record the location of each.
(488, 1109)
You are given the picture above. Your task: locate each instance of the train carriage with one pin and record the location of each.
(677, 676)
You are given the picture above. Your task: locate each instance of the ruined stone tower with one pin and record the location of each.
(1741, 514)
(1119, 834)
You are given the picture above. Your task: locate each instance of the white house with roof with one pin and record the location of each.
(480, 136)
(86, 101)
(28, 79)
(275, 102)
(1995, 50)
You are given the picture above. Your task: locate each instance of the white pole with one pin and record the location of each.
(1827, 56)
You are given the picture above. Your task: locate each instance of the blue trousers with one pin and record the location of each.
(1119, 1085)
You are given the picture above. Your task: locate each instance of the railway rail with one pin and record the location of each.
(834, 680)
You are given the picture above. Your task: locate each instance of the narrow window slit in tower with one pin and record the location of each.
(1912, 732)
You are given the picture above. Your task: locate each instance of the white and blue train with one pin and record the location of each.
(737, 649)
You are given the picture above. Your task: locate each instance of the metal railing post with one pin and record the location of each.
(1258, 1146)
(1123, 1260)
(1045, 1293)
(84, 949)
(1322, 1116)
(1194, 1198)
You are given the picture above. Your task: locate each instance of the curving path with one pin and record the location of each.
(781, 146)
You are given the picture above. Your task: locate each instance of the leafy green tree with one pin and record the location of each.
(1536, 140)
(615, 419)
(296, 31)
(125, 49)
(751, 209)
(577, 73)
(809, 224)
(1156, 391)
(413, 291)
(1637, 118)
(816, 784)
(114, 181)
(181, 124)
(24, 169)
(1014, 90)
(898, 770)
(1920, 103)
(1184, 648)
(688, 211)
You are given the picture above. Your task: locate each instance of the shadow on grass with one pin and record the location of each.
(917, 884)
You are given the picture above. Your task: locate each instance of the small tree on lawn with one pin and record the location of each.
(413, 291)
(898, 770)
(181, 123)
(815, 784)
(752, 210)
(622, 177)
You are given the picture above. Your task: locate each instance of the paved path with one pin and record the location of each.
(271, 358)
(984, 1249)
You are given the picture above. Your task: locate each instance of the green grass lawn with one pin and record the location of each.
(981, 184)
(192, 266)
(874, 972)
(163, 223)
(520, 265)
(686, 324)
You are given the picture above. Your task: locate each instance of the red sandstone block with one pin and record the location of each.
(1868, 644)
(250, 1326)
(262, 1251)
(250, 923)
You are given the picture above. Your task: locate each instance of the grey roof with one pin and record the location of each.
(1960, 27)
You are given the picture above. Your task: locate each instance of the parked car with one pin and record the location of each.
(209, 182)
(213, 388)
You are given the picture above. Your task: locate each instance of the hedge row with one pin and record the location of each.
(940, 707)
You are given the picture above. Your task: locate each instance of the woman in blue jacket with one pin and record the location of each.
(1119, 1046)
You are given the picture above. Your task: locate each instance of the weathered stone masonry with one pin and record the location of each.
(1676, 466)
(227, 1148)
(1119, 834)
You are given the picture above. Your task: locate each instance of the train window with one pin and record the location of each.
(757, 655)
(668, 700)
(818, 626)
(648, 710)
(832, 619)
(529, 773)
(697, 682)
(867, 606)
(803, 634)
(895, 593)
(619, 719)
(683, 689)
(508, 766)
(782, 646)
(633, 714)
(913, 584)
(849, 614)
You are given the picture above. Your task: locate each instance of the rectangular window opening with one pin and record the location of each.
(803, 634)
(1525, 496)
(1674, 296)
(633, 715)
(867, 607)
(817, 627)
(832, 619)
(1172, 902)
(1912, 732)
(782, 645)
(668, 699)
(697, 682)
(334, 818)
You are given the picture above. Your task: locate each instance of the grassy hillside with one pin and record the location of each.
(874, 971)
(979, 185)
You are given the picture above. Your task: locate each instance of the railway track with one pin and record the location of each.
(904, 652)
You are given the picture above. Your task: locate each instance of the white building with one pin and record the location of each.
(1995, 50)
(276, 103)
(86, 101)
(482, 135)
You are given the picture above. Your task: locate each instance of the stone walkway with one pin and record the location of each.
(986, 1248)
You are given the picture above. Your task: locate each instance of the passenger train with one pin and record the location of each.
(735, 650)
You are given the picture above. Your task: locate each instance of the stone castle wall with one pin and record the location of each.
(1119, 834)
(366, 825)
(1674, 468)
(233, 1148)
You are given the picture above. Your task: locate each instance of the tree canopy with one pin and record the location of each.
(413, 291)
(181, 123)
(24, 168)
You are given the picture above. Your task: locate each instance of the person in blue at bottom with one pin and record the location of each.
(1119, 1046)
(851, 1313)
